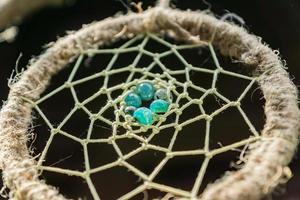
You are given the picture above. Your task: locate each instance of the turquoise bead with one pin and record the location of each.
(130, 110)
(162, 94)
(145, 90)
(132, 99)
(159, 106)
(144, 116)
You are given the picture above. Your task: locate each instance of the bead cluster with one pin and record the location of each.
(145, 92)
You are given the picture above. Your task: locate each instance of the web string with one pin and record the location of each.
(133, 130)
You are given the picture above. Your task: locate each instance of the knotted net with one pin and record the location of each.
(264, 164)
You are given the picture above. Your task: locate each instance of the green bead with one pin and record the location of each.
(145, 90)
(163, 94)
(159, 106)
(132, 99)
(144, 116)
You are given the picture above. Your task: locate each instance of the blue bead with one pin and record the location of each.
(144, 116)
(132, 99)
(145, 90)
(162, 94)
(159, 106)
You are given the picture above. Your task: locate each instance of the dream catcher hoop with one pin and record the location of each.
(265, 165)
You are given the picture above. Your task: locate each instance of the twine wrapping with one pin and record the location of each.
(267, 158)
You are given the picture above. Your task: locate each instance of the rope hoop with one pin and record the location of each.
(269, 156)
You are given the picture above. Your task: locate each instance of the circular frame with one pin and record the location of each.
(265, 165)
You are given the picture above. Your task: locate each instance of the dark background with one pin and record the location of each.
(276, 21)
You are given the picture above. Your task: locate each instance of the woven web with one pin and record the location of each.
(122, 126)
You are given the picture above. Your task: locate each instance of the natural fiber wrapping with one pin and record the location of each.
(267, 158)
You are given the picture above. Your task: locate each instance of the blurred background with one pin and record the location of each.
(276, 21)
